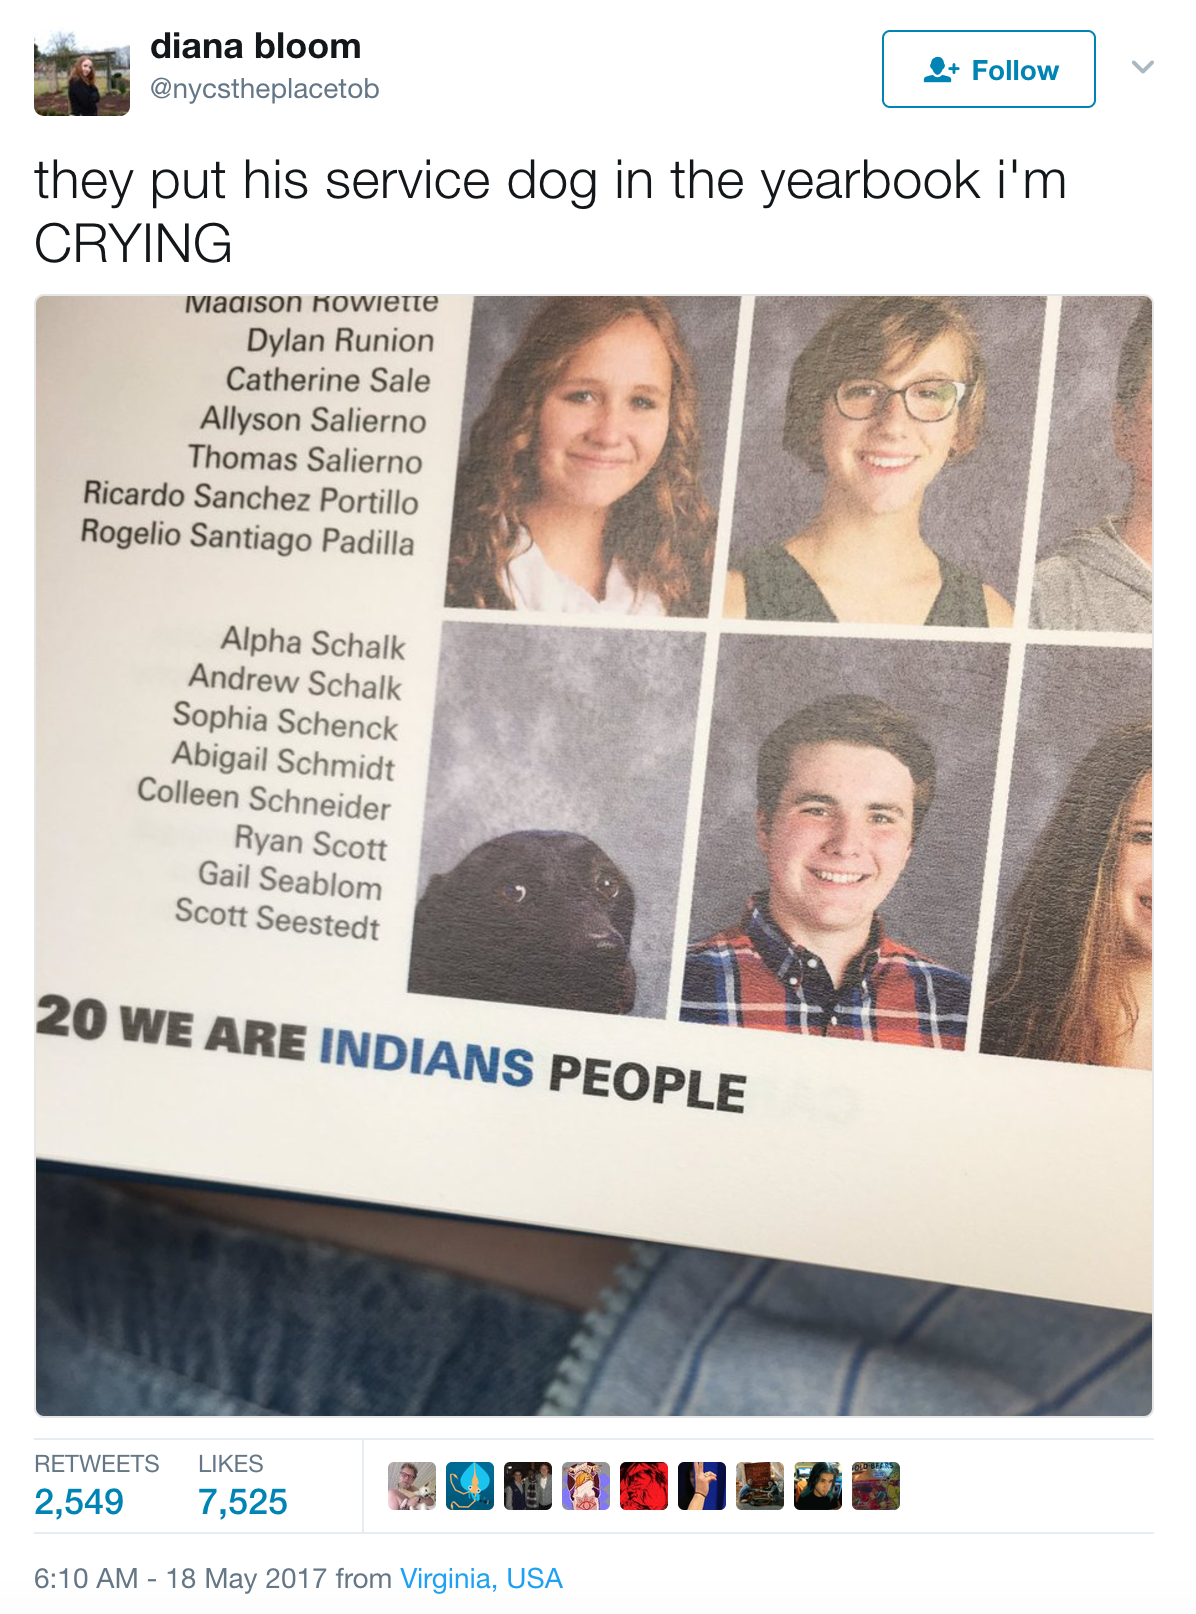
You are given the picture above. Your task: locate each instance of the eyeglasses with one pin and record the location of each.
(924, 400)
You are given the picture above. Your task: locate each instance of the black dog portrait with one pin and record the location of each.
(540, 917)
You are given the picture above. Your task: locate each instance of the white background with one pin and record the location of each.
(492, 88)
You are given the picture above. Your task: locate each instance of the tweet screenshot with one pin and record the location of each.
(580, 707)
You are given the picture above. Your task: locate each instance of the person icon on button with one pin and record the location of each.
(936, 74)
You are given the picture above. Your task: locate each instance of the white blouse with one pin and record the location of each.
(533, 585)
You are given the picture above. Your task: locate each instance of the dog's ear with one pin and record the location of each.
(432, 901)
(626, 1000)
(431, 961)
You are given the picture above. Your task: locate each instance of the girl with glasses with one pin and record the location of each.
(885, 395)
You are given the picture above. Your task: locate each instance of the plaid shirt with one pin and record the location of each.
(757, 977)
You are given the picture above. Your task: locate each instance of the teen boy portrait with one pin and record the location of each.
(842, 788)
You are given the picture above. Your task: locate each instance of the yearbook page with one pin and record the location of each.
(670, 767)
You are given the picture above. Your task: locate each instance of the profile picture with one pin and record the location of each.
(591, 455)
(884, 462)
(70, 81)
(1096, 547)
(585, 1487)
(759, 1485)
(411, 1487)
(643, 1487)
(527, 1487)
(1073, 955)
(701, 1487)
(469, 1487)
(843, 838)
(817, 1487)
(875, 1487)
(555, 816)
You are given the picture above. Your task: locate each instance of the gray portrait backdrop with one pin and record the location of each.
(709, 326)
(953, 692)
(1070, 697)
(974, 510)
(1085, 481)
(573, 729)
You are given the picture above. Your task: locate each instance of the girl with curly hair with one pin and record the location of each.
(1074, 982)
(581, 490)
(82, 90)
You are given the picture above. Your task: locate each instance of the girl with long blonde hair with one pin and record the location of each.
(581, 490)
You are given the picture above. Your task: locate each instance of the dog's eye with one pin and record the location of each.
(513, 892)
(606, 885)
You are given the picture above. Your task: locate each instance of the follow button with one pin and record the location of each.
(969, 67)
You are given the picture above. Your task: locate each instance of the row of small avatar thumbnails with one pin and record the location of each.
(643, 1487)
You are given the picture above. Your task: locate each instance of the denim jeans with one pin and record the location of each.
(145, 1309)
